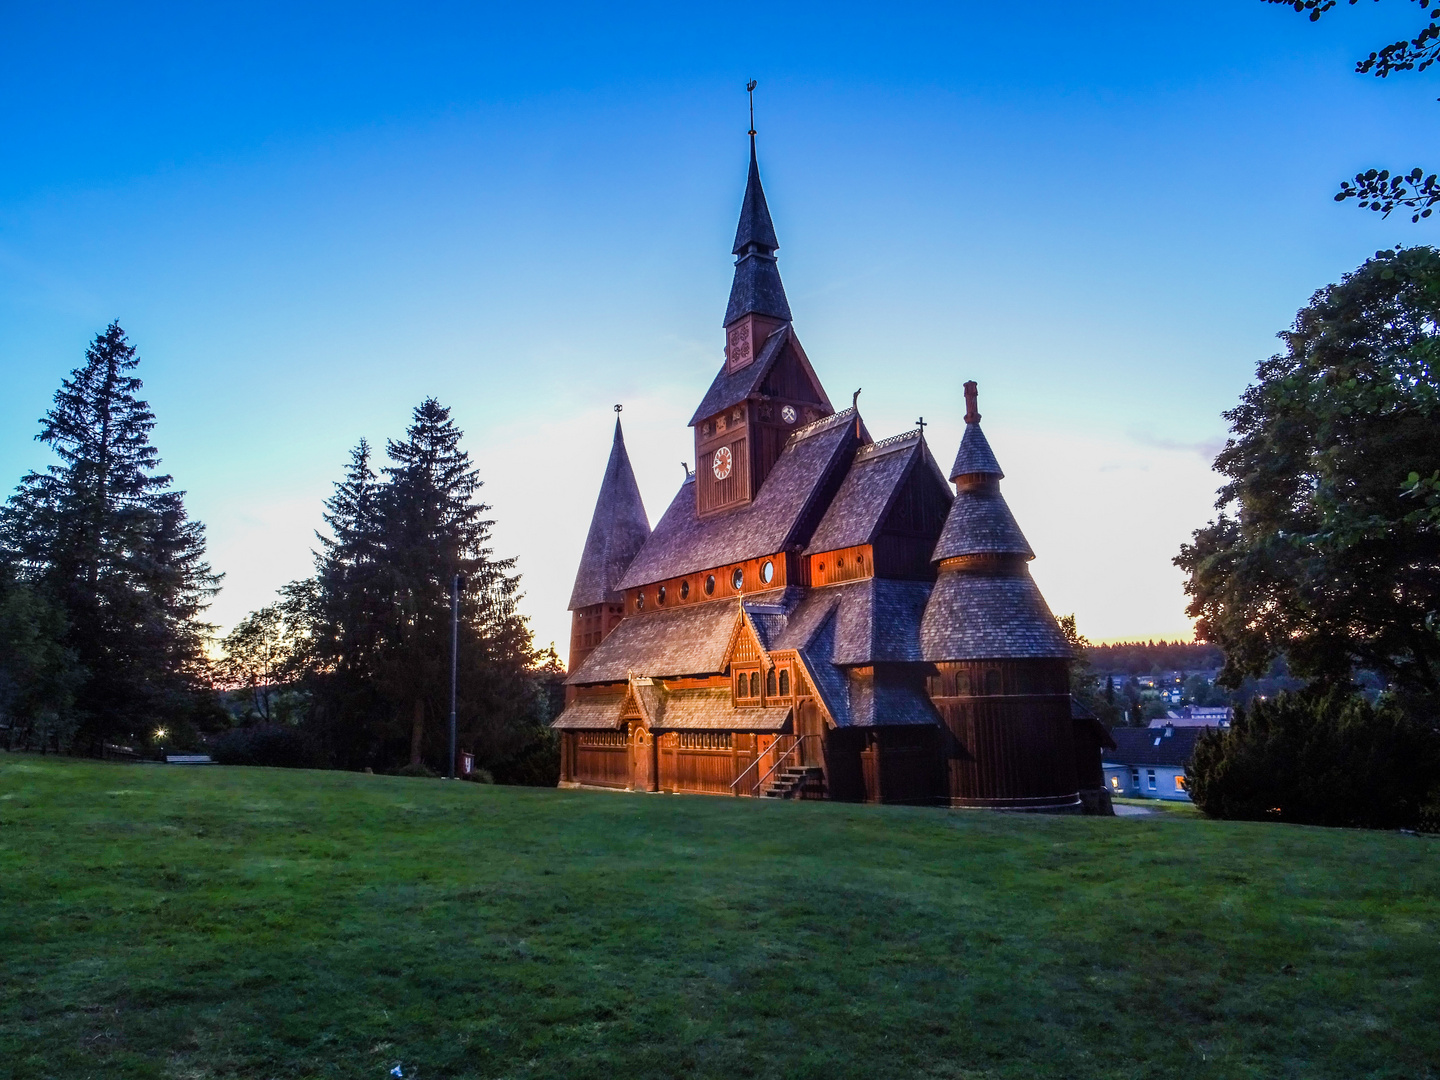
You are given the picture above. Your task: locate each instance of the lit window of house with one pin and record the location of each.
(1179, 783)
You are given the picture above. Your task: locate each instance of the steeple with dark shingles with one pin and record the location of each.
(756, 289)
(975, 457)
(618, 529)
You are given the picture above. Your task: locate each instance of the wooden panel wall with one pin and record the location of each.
(843, 564)
(1011, 737)
(602, 758)
(783, 567)
(589, 626)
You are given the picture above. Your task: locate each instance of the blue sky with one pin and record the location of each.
(309, 220)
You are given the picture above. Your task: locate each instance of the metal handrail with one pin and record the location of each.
(799, 739)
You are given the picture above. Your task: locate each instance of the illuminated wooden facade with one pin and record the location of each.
(816, 614)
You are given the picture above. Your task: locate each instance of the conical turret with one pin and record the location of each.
(618, 528)
(984, 605)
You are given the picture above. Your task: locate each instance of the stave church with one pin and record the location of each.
(818, 613)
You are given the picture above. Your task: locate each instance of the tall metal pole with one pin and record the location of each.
(454, 662)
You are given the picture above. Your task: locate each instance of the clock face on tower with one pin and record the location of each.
(721, 465)
(788, 414)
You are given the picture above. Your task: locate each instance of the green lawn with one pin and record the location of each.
(207, 922)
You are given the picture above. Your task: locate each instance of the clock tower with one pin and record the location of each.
(766, 388)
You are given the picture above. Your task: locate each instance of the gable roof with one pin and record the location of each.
(869, 490)
(618, 529)
(732, 387)
(989, 617)
(1152, 746)
(782, 515)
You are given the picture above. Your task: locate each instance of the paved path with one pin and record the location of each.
(1122, 810)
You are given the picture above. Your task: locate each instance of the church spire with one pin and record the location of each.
(756, 289)
(618, 528)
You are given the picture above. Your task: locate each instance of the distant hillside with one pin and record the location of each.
(1144, 657)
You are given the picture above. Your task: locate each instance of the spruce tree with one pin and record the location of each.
(110, 541)
(433, 529)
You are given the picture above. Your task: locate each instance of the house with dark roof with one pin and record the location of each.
(817, 613)
(1149, 763)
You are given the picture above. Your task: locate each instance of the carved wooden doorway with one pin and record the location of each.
(642, 759)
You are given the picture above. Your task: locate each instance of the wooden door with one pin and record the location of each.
(808, 723)
(642, 759)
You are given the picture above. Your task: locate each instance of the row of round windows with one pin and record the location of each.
(737, 583)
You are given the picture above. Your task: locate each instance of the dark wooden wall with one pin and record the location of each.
(1010, 736)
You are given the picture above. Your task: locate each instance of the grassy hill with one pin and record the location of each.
(164, 922)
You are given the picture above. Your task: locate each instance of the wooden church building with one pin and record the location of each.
(817, 613)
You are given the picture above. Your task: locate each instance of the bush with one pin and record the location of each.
(1318, 758)
(418, 769)
(537, 764)
(266, 744)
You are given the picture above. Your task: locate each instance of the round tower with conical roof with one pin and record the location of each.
(1001, 663)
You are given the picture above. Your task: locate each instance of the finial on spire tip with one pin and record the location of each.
(972, 402)
(750, 89)
(618, 408)
(855, 399)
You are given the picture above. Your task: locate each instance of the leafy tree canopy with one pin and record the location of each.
(1326, 549)
(1379, 189)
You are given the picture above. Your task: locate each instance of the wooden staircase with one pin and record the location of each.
(797, 782)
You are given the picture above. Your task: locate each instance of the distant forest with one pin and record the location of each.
(1147, 657)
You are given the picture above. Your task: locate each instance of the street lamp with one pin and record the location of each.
(456, 583)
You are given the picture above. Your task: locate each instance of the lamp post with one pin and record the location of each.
(455, 584)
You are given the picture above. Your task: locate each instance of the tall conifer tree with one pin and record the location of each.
(434, 529)
(111, 541)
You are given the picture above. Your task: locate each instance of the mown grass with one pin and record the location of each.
(208, 922)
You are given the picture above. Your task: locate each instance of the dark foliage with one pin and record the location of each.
(271, 745)
(38, 672)
(1377, 189)
(1327, 549)
(1319, 758)
(368, 638)
(108, 541)
(1149, 657)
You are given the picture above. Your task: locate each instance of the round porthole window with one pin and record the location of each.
(839, 564)
(709, 584)
(767, 572)
(640, 601)
(660, 595)
(737, 579)
(685, 589)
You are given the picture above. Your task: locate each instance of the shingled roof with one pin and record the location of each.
(1173, 746)
(869, 490)
(975, 455)
(757, 286)
(783, 514)
(989, 617)
(684, 641)
(731, 387)
(590, 713)
(980, 523)
(873, 621)
(618, 529)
